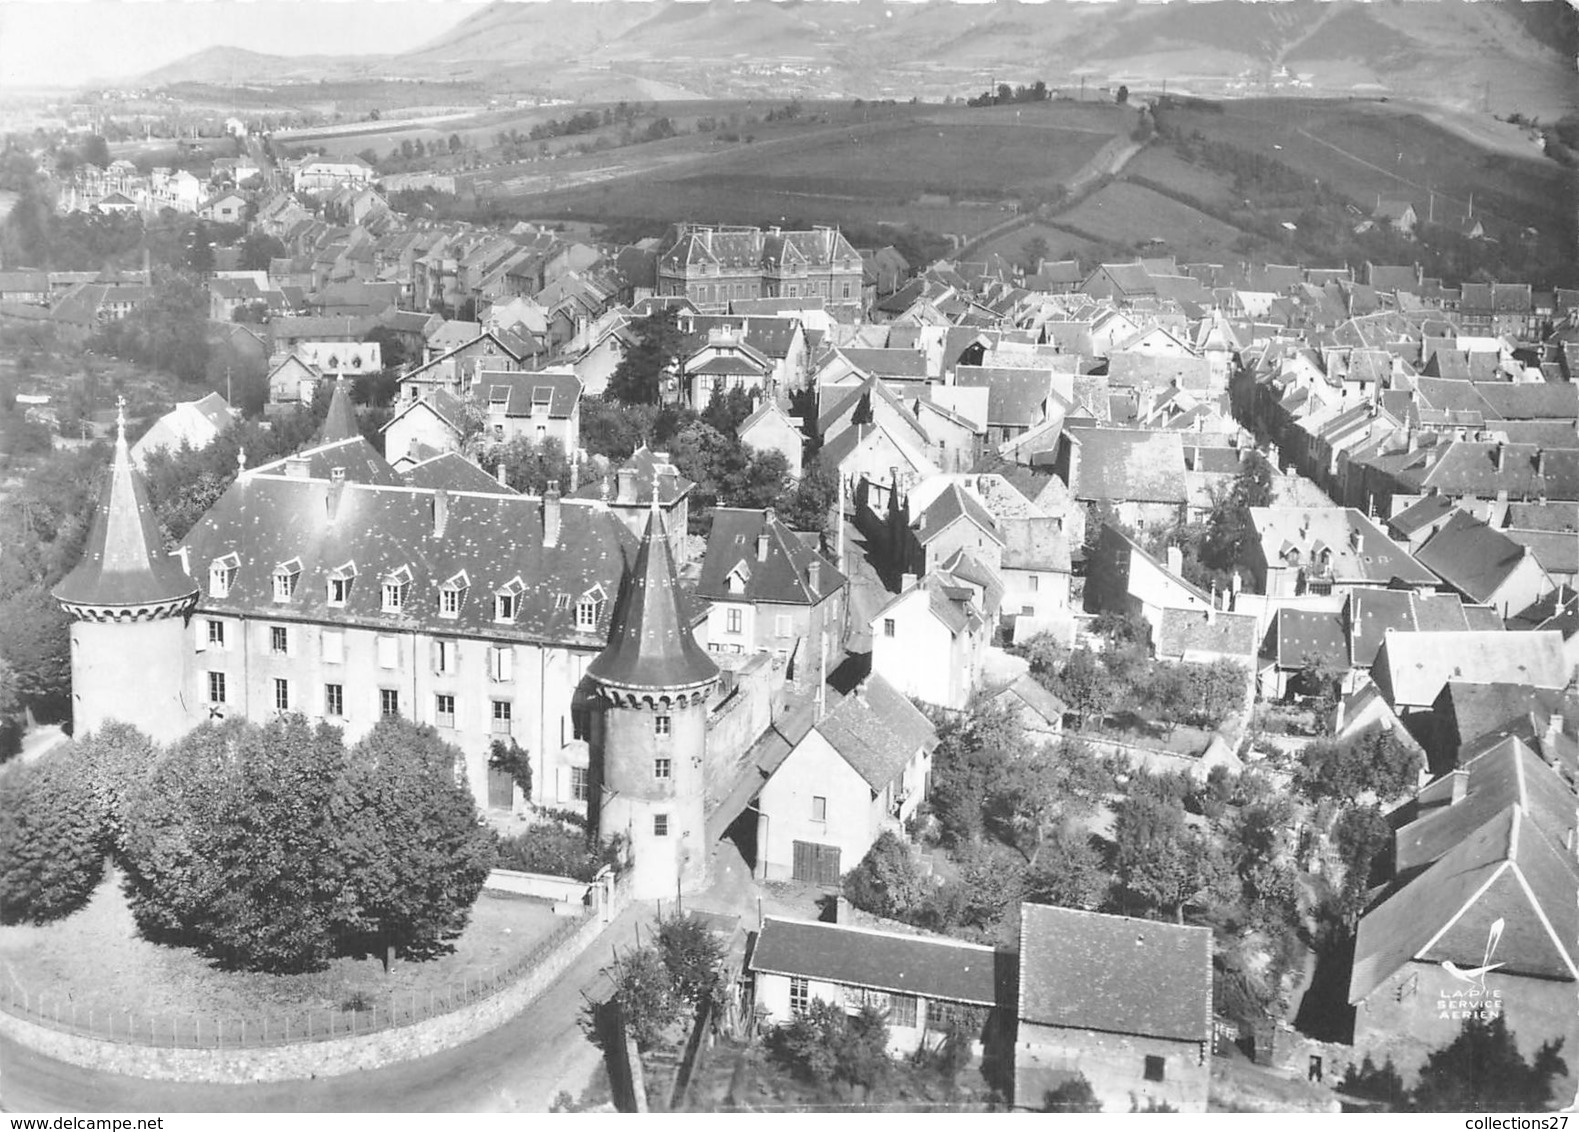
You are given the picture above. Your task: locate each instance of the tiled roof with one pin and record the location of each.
(783, 576)
(1314, 530)
(1507, 870)
(942, 969)
(1418, 665)
(877, 731)
(1129, 465)
(1090, 971)
(1015, 397)
(1471, 556)
(1184, 631)
(952, 503)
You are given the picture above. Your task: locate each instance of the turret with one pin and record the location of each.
(649, 744)
(129, 603)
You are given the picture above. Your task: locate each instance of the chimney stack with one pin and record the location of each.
(627, 485)
(551, 516)
(336, 490)
(1540, 461)
(907, 582)
(762, 547)
(1460, 785)
(1175, 557)
(814, 576)
(298, 467)
(441, 512)
(499, 474)
(1496, 456)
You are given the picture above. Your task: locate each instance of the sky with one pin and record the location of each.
(68, 42)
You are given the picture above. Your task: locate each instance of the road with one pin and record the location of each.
(518, 1067)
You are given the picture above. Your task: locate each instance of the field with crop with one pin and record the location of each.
(1127, 214)
(1366, 149)
(1162, 165)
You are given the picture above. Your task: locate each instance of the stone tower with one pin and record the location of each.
(129, 604)
(650, 740)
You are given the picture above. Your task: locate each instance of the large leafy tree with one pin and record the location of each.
(274, 848)
(971, 755)
(1230, 531)
(1373, 763)
(1162, 863)
(1482, 1070)
(35, 641)
(637, 380)
(412, 850)
(51, 838)
(10, 713)
(168, 330)
(888, 881)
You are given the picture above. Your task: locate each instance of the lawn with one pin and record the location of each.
(1060, 244)
(1365, 148)
(1127, 214)
(96, 959)
(1159, 163)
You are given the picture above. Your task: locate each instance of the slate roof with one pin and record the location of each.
(123, 562)
(453, 472)
(1531, 400)
(494, 539)
(910, 364)
(1471, 556)
(1506, 870)
(1304, 632)
(782, 578)
(1129, 464)
(651, 646)
(1184, 631)
(1416, 666)
(1470, 468)
(519, 391)
(1126, 370)
(1556, 551)
(339, 422)
(1035, 543)
(358, 460)
(1309, 529)
(1420, 514)
(952, 503)
(940, 969)
(1479, 710)
(1090, 971)
(1015, 397)
(1030, 693)
(877, 731)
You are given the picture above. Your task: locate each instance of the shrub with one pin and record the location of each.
(825, 1045)
(553, 849)
(1075, 1095)
(51, 839)
(888, 882)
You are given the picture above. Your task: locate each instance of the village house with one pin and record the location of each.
(930, 640)
(420, 430)
(1139, 474)
(1124, 1003)
(925, 985)
(862, 768)
(539, 406)
(770, 429)
(191, 424)
(1324, 550)
(1480, 920)
(1485, 565)
(769, 591)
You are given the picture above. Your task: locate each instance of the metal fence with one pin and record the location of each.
(60, 1011)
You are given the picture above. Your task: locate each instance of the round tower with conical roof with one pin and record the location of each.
(649, 741)
(129, 604)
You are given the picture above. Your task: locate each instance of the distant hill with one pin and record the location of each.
(1446, 50)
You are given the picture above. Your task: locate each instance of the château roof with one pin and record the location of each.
(124, 562)
(340, 422)
(650, 639)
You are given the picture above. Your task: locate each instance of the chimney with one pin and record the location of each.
(298, 467)
(551, 515)
(336, 490)
(762, 547)
(499, 474)
(1238, 582)
(1460, 785)
(1175, 556)
(1540, 461)
(1554, 723)
(814, 576)
(441, 512)
(575, 475)
(1195, 454)
(1357, 541)
(1496, 456)
(1211, 607)
(627, 486)
(860, 692)
(907, 582)
(186, 568)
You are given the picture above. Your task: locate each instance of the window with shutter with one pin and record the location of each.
(332, 646)
(388, 652)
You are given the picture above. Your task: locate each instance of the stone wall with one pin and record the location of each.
(326, 1058)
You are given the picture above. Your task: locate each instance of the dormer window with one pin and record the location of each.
(589, 609)
(222, 575)
(395, 585)
(736, 580)
(507, 599)
(452, 593)
(340, 580)
(286, 575)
